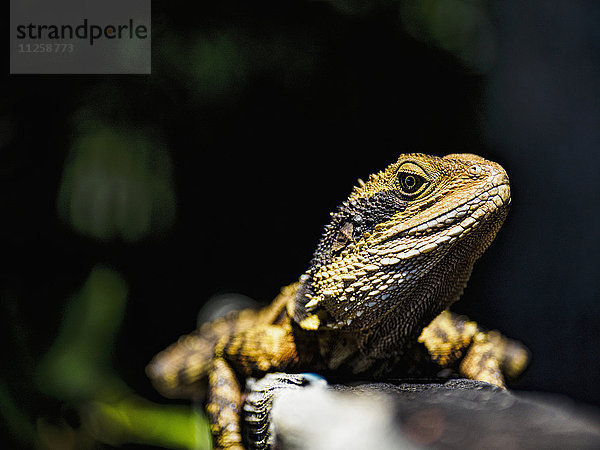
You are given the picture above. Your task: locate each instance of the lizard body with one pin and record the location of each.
(373, 301)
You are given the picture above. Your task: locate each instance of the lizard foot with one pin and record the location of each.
(257, 407)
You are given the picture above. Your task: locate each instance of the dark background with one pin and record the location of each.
(261, 118)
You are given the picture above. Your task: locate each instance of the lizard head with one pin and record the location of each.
(404, 242)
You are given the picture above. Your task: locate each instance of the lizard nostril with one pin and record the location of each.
(475, 170)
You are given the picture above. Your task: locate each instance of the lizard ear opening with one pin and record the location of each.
(343, 237)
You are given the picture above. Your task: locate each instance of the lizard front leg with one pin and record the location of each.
(453, 340)
(224, 406)
(493, 357)
(181, 369)
(251, 352)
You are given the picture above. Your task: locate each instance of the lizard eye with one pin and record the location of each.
(410, 183)
(412, 179)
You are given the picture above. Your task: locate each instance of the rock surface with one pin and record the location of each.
(452, 414)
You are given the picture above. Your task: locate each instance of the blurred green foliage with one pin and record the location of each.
(77, 370)
(211, 68)
(134, 419)
(216, 68)
(462, 28)
(117, 183)
(77, 366)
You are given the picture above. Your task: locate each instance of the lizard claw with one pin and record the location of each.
(259, 400)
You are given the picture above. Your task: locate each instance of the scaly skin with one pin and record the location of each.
(373, 302)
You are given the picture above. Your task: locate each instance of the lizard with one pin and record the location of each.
(374, 300)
